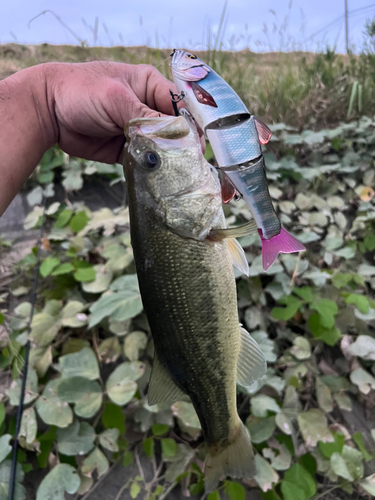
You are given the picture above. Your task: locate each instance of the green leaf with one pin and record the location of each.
(360, 301)
(262, 404)
(51, 409)
(149, 447)
(135, 489)
(28, 428)
(85, 274)
(128, 459)
(72, 315)
(215, 495)
(261, 429)
(31, 391)
(323, 395)
(80, 364)
(124, 304)
(363, 380)
(327, 310)
(266, 475)
(77, 439)
(113, 417)
(340, 280)
(5, 447)
(328, 449)
(5, 468)
(363, 347)
(187, 418)
(95, 461)
(108, 439)
(292, 491)
(48, 265)
(103, 278)
(298, 476)
(329, 335)
(160, 429)
(313, 426)
(63, 269)
(134, 343)
(358, 439)
(234, 490)
(369, 242)
(121, 385)
(79, 221)
(2, 413)
(86, 394)
(285, 313)
(368, 484)
(168, 447)
(305, 293)
(62, 478)
(44, 329)
(63, 218)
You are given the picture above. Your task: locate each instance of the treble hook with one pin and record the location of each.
(175, 99)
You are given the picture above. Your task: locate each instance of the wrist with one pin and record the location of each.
(42, 92)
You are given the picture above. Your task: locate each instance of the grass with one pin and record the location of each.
(294, 87)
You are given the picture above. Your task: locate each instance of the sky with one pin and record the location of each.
(266, 25)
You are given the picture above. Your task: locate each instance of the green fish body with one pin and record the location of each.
(188, 287)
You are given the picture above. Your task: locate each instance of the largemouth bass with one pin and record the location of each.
(183, 256)
(236, 138)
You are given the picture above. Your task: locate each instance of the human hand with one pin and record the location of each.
(92, 102)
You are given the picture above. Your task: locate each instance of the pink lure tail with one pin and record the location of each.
(283, 242)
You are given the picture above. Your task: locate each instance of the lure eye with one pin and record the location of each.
(151, 160)
(192, 56)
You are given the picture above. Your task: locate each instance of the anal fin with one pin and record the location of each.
(238, 256)
(161, 387)
(251, 363)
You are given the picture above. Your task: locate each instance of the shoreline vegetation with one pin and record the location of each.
(297, 88)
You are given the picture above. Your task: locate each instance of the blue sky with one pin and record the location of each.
(253, 23)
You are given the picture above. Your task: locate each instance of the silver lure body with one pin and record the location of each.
(232, 133)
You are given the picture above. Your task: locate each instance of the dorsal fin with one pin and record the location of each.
(264, 133)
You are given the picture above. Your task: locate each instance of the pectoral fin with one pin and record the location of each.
(251, 363)
(238, 256)
(234, 232)
(161, 387)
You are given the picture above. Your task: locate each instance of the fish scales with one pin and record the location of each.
(188, 288)
(188, 314)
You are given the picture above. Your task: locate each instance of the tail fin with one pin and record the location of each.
(237, 460)
(284, 242)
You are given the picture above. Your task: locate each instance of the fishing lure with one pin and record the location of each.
(236, 138)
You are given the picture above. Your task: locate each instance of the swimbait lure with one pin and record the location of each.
(236, 138)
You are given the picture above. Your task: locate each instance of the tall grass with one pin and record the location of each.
(298, 88)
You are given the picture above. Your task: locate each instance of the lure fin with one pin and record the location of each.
(264, 133)
(161, 387)
(236, 460)
(228, 189)
(202, 95)
(251, 363)
(233, 232)
(238, 256)
(283, 242)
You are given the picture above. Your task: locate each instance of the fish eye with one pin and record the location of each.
(151, 160)
(192, 56)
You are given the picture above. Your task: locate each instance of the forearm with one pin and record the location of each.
(27, 128)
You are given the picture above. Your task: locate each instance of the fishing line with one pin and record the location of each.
(12, 481)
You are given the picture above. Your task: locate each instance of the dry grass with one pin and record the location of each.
(291, 87)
